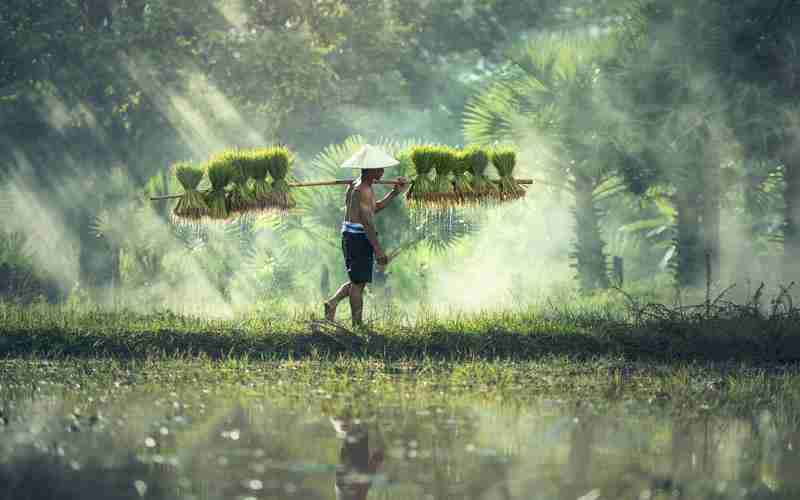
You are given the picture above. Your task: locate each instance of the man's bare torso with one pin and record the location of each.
(357, 194)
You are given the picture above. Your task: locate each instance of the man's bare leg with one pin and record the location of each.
(332, 303)
(356, 302)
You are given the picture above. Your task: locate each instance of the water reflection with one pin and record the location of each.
(358, 463)
(185, 445)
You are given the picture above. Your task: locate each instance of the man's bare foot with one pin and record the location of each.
(330, 311)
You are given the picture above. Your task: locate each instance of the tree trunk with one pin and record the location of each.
(135, 9)
(116, 275)
(90, 253)
(97, 13)
(711, 213)
(689, 271)
(590, 260)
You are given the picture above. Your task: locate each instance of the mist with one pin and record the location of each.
(75, 184)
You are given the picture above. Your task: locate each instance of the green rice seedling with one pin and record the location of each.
(444, 162)
(504, 160)
(220, 172)
(191, 206)
(240, 197)
(483, 191)
(258, 169)
(464, 194)
(279, 165)
(422, 186)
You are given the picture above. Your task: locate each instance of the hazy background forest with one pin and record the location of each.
(663, 132)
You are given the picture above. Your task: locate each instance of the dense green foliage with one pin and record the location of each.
(670, 129)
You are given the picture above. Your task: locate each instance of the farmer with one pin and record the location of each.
(360, 244)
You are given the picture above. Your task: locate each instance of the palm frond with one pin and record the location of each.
(489, 116)
(241, 234)
(443, 229)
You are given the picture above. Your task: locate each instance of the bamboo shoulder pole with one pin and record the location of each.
(341, 182)
(350, 181)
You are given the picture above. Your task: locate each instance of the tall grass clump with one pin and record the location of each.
(258, 169)
(192, 205)
(460, 176)
(220, 173)
(464, 194)
(239, 197)
(504, 160)
(483, 190)
(423, 160)
(444, 162)
(280, 163)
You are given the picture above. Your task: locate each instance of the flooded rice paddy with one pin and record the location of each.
(184, 430)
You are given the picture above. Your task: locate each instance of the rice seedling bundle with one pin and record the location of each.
(191, 205)
(240, 197)
(504, 160)
(422, 157)
(258, 169)
(483, 190)
(220, 173)
(279, 165)
(444, 159)
(461, 179)
(443, 177)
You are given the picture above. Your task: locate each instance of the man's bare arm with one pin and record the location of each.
(347, 197)
(380, 205)
(367, 219)
(398, 188)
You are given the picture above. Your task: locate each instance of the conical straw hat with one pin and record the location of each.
(370, 157)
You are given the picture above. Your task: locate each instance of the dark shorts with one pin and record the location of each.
(359, 257)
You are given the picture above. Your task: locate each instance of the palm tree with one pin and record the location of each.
(699, 77)
(675, 115)
(552, 98)
(766, 120)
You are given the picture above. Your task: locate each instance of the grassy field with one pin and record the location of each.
(580, 330)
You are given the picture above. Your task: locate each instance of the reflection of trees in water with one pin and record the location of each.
(690, 457)
(440, 453)
(787, 449)
(752, 454)
(241, 448)
(576, 473)
(444, 455)
(242, 451)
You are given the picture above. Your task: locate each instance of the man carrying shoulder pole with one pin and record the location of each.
(360, 244)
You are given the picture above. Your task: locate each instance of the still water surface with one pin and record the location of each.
(184, 437)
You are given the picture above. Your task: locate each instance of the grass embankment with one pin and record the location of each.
(654, 333)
